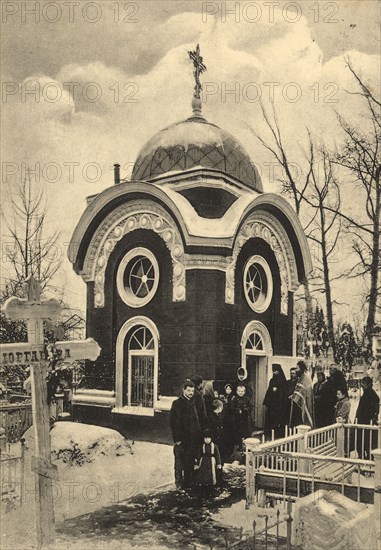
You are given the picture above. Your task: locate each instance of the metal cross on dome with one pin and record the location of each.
(199, 68)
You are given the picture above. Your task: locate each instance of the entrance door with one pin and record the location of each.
(256, 371)
(256, 350)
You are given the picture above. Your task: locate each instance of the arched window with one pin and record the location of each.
(254, 342)
(141, 368)
(137, 367)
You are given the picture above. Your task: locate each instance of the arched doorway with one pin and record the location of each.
(256, 350)
(137, 367)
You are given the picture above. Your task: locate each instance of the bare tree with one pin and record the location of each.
(360, 157)
(292, 185)
(28, 249)
(324, 197)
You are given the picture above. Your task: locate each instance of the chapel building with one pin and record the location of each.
(190, 268)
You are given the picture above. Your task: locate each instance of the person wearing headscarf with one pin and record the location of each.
(199, 401)
(242, 380)
(318, 390)
(275, 403)
(302, 400)
(208, 467)
(208, 393)
(336, 381)
(228, 419)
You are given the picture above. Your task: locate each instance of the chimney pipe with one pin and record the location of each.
(116, 174)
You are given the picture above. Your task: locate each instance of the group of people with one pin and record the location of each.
(300, 401)
(288, 402)
(207, 426)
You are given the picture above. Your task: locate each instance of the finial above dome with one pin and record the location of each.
(199, 68)
(195, 144)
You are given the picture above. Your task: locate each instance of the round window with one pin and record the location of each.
(258, 283)
(138, 277)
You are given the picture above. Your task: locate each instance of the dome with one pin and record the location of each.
(192, 143)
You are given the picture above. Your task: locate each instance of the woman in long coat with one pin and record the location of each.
(318, 391)
(275, 402)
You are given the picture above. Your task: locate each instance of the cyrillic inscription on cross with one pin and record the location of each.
(34, 312)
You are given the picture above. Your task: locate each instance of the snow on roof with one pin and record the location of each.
(224, 227)
(187, 133)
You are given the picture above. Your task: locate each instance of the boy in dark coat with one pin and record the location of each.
(242, 415)
(186, 433)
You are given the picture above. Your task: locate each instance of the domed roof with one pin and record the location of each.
(192, 143)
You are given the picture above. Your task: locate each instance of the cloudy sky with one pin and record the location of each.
(85, 84)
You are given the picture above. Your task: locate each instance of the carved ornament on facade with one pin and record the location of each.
(203, 261)
(264, 226)
(121, 221)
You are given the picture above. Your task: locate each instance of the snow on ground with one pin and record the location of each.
(75, 443)
(327, 519)
(237, 516)
(96, 467)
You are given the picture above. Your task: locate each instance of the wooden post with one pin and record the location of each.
(59, 405)
(250, 444)
(302, 447)
(3, 440)
(377, 495)
(340, 435)
(43, 482)
(34, 312)
(289, 524)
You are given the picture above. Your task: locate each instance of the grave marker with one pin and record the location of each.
(34, 312)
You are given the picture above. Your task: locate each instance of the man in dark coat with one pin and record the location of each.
(328, 399)
(186, 433)
(367, 413)
(199, 401)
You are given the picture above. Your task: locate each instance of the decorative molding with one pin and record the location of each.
(256, 326)
(262, 225)
(201, 261)
(144, 214)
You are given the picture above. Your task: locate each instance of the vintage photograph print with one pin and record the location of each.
(190, 310)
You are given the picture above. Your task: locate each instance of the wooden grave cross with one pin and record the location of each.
(34, 311)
